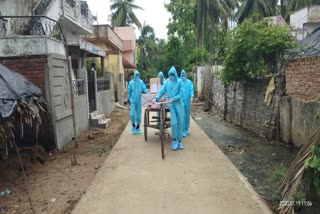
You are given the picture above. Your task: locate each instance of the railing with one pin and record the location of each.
(30, 26)
(72, 3)
(84, 8)
(41, 7)
(3, 29)
(103, 84)
(78, 87)
(72, 10)
(78, 11)
(86, 18)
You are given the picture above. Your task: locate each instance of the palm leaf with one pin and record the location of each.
(293, 176)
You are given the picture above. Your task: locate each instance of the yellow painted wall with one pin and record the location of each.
(113, 62)
(115, 66)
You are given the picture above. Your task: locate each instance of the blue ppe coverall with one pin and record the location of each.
(135, 88)
(161, 77)
(173, 87)
(188, 94)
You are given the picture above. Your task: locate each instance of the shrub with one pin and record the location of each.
(254, 49)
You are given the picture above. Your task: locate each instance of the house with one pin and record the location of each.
(305, 21)
(104, 37)
(41, 39)
(300, 107)
(128, 37)
(276, 20)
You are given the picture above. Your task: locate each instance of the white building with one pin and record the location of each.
(32, 43)
(305, 21)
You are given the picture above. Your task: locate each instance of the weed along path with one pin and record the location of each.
(255, 157)
(199, 179)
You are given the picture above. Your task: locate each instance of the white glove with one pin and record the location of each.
(171, 100)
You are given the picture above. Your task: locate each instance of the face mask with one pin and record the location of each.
(183, 78)
(172, 78)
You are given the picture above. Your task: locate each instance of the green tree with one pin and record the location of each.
(294, 5)
(254, 49)
(122, 13)
(160, 58)
(212, 16)
(148, 47)
(181, 31)
(261, 8)
(174, 53)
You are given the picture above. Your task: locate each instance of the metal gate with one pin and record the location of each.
(92, 91)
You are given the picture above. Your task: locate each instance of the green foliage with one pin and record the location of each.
(294, 5)
(211, 17)
(181, 34)
(276, 179)
(312, 164)
(175, 54)
(58, 36)
(197, 57)
(149, 74)
(148, 48)
(89, 62)
(254, 49)
(122, 13)
(181, 24)
(258, 8)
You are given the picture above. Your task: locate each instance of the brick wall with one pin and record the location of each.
(33, 68)
(303, 78)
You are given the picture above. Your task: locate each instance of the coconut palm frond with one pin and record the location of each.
(294, 175)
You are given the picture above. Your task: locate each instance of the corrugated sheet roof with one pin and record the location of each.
(309, 46)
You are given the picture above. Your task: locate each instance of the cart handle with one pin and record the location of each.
(164, 102)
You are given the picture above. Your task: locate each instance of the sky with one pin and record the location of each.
(154, 14)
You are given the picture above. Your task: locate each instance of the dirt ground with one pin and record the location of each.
(255, 157)
(56, 186)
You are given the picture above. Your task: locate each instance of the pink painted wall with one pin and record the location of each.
(128, 37)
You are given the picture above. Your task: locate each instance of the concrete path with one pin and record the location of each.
(200, 179)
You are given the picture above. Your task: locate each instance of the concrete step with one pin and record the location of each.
(101, 117)
(98, 117)
(104, 124)
(99, 120)
(93, 114)
(94, 121)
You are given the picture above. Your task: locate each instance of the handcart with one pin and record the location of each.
(159, 122)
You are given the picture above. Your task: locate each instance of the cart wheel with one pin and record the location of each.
(146, 119)
(162, 127)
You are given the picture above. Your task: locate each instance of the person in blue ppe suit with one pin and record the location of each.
(173, 87)
(161, 77)
(188, 94)
(135, 88)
